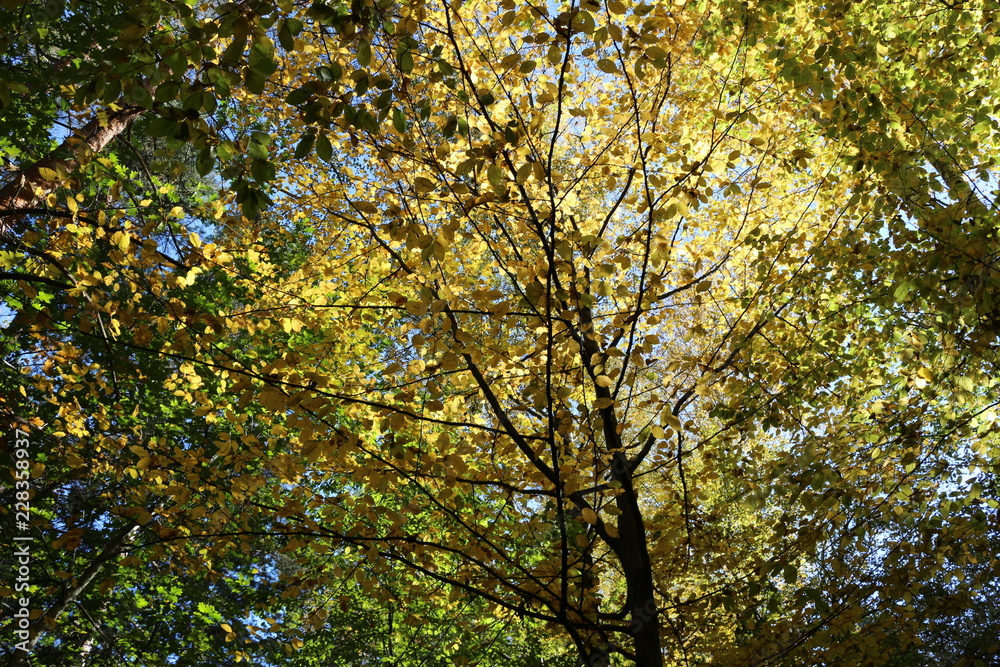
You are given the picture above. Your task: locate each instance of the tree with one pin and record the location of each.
(657, 324)
(105, 67)
(528, 278)
(952, 616)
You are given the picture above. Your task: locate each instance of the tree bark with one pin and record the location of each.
(630, 547)
(28, 187)
(633, 554)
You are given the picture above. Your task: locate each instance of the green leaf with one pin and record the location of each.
(255, 81)
(305, 146)
(261, 58)
(285, 37)
(167, 91)
(607, 66)
(324, 149)
(250, 206)
(223, 83)
(140, 95)
(398, 120)
(259, 141)
(406, 62)
(193, 102)
(162, 127)
(226, 150)
(299, 95)
(324, 13)
(262, 170)
(523, 172)
(656, 53)
(331, 72)
(494, 175)
(205, 161)
(364, 54)
(383, 100)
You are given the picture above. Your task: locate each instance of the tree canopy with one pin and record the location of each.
(601, 332)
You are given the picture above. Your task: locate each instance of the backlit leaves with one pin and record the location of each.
(575, 309)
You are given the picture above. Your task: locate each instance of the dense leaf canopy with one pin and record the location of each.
(602, 332)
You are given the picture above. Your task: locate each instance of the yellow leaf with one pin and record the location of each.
(272, 399)
(226, 627)
(194, 238)
(423, 185)
(589, 515)
(603, 381)
(121, 240)
(673, 421)
(48, 174)
(523, 172)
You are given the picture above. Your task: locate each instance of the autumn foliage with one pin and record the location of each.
(608, 333)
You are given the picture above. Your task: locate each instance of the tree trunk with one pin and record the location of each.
(630, 547)
(633, 554)
(29, 187)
